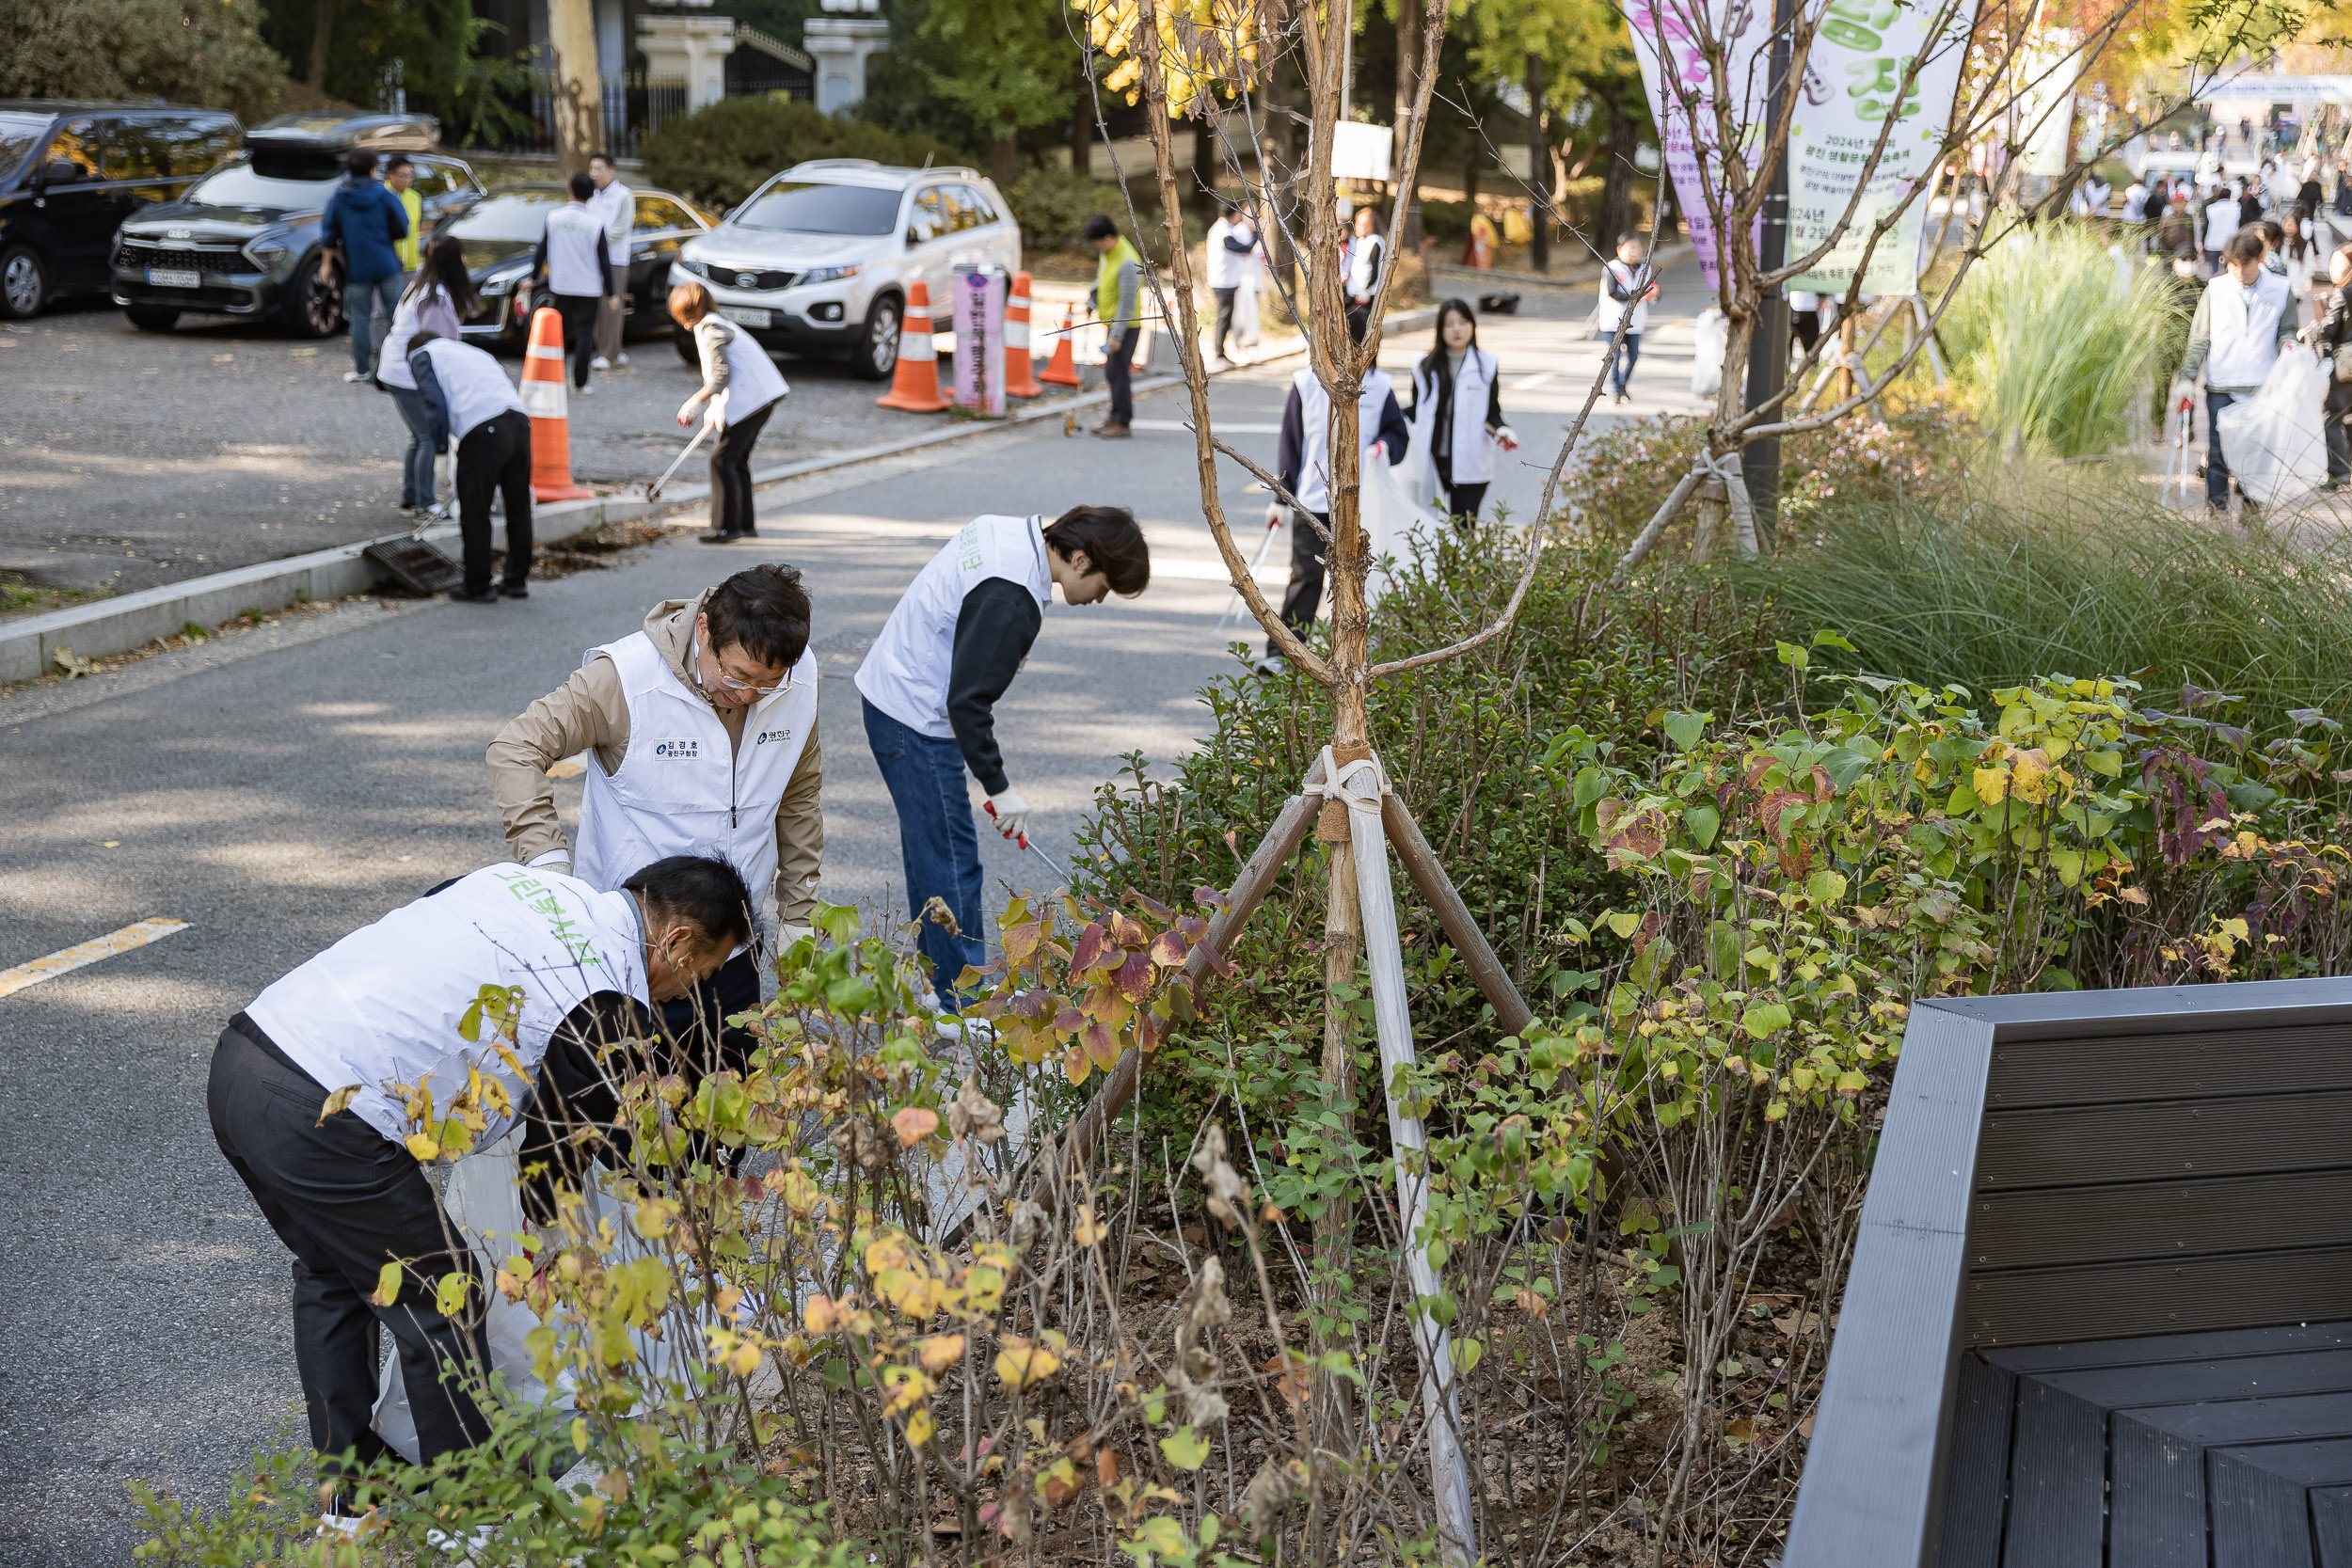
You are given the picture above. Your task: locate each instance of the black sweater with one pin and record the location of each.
(994, 630)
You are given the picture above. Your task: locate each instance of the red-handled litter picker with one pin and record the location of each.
(1273, 527)
(2178, 461)
(652, 491)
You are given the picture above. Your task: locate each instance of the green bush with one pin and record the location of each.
(1448, 222)
(719, 155)
(1053, 205)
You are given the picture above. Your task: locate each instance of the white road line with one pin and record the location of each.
(1531, 383)
(81, 953)
(1222, 427)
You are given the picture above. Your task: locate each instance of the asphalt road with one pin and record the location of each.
(278, 795)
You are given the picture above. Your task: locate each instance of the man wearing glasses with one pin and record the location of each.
(702, 735)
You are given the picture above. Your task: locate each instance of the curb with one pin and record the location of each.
(27, 647)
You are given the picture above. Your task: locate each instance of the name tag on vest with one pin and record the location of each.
(687, 750)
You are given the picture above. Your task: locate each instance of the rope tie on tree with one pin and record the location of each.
(1703, 466)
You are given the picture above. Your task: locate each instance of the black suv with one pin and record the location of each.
(244, 239)
(69, 174)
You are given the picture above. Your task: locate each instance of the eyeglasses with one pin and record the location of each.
(731, 684)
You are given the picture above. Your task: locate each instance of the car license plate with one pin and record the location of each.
(165, 278)
(743, 315)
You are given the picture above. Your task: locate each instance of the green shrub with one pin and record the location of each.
(1448, 222)
(1053, 205)
(719, 154)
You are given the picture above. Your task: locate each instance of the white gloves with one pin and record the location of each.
(1507, 438)
(1011, 814)
(714, 412)
(1274, 514)
(558, 860)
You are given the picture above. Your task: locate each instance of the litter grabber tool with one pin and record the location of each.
(652, 491)
(1273, 527)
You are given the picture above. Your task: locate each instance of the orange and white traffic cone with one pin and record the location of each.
(1063, 371)
(1020, 370)
(914, 385)
(547, 399)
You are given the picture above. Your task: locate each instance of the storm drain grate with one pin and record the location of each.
(415, 564)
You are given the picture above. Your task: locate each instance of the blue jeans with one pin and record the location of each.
(937, 842)
(2216, 471)
(415, 468)
(361, 302)
(1622, 371)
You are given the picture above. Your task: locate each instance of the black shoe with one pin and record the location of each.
(468, 595)
(516, 591)
(728, 537)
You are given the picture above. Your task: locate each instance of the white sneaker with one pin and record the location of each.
(600, 363)
(621, 359)
(587, 392)
(355, 375)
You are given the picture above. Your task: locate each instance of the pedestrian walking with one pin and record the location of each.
(1457, 411)
(1626, 288)
(2243, 318)
(467, 397)
(573, 260)
(391, 1005)
(2176, 230)
(1804, 319)
(2136, 198)
(615, 205)
(2308, 193)
(400, 178)
(740, 387)
(438, 299)
(2222, 221)
(361, 228)
(1302, 461)
(700, 735)
(1118, 305)
(928, 690)
(1231, 240)
(2334, 337)
(2091, 197)
(2297, 257)
(1362, 264)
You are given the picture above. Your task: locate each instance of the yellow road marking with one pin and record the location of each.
(81, 953)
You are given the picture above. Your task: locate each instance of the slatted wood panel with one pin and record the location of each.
(2261, 1503)
(2140, 1063)
(2156, 1467)
(2331, 1525)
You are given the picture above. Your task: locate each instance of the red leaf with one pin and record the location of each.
(1069, 1020)
(1209, 898)
(1129, 932)
(1217, 961)
(1168, 949)
(1092, 946)
(1147, 1033)
(1101, 1046)
(1153, 907)
(1133, 978)
(1021, 940)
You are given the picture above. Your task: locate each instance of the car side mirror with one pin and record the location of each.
(60, 171)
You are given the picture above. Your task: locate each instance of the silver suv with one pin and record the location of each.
(822, 257)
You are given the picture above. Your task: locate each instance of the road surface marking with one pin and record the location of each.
(1532, 382)
(1216, 427)
(81, 953)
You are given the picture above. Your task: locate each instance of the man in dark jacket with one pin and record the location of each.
(364, 224)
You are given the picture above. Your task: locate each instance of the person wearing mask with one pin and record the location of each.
(2274, 235)
(574, 260)
(1302, 460)
(2299, 260)
(400, 178)
(2253, 202)
(1361, 265)
(701, 730)
(361, 226)
(740, 387)
(2331, 334)
(467, 397)
(437, 299)
(928, 690)
(1118, 305)
(1457, 411)
(614, 206)
(2243, 318)
(2176, 230)
(299, 1105)
(1626, 288)
(1232, 238)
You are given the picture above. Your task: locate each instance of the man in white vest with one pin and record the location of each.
(614, 206)
(701, 734)
(574, 257)
(331, 1086)
(1302, 457)
(2243, 317)
(930, 686)
(468, 399)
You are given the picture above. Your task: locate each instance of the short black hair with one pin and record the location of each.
(397, 162)
(2247, 245)
(1113, 541)
(604, 158)
(358, 161)
(764, 611)
(1099, 228)
(703, 889)
(582, 188)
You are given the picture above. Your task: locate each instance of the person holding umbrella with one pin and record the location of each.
(740, 387)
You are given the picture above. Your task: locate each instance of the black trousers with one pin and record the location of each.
(1303, 600)
(1118, 369)
(1462, 501)
(1358, 321)
(1224, 316)
(2332, 414)
(731, 475)
(495, 456)
(346, 1201)
(580, 332)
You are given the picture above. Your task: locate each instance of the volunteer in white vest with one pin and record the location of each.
(2243, 317)
(740, 387)
(701, 730)
(1457, 411)
(1302, 459)
(930, 686)
(615, 207)
(437, 299)
(1627, 284)
(574, 258)
(467, 398)
(380, 1012)
(1232, 238)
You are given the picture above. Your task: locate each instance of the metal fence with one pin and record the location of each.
(634, 106)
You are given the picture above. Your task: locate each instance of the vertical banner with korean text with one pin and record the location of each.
(2046, 102)
(1855, 85)
(1668, 37)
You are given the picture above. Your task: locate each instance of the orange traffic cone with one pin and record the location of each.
(1063, 371)
(547, 399)
(1020, 370)
(914, 387)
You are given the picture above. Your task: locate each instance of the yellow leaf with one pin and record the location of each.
(1022, 1364)
(940, 1352)
(337, 1102)
(918, 1429)
(1088, 1231)
(913, 1124)
(422, 1146)
(1991, 784)
(386, 1286)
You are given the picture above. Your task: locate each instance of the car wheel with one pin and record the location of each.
(149, 318)
(877, 352)
(683, 341)
(313, 309)
(23, 282)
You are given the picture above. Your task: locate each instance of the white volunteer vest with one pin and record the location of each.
(1314, 407)
(575, 251)
(472, 385)
(616, 209)
(753, 380)
(2244, 324)
(682, 787)
(382, 1005)
(1474, 448)
(1610, 311)
(905, 673)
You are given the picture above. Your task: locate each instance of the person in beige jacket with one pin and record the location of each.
(701, 729)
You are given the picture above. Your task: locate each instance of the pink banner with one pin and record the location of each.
(1740, 28)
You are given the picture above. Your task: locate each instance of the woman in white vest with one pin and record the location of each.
(740, 387)
(439, 297)
(1457, 411)
(931, 680)
(466, 397)
(1302, 459)
(2243, 317)
(702, 731)
(379, 1014)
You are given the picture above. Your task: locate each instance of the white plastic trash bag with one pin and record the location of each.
(2274, 441)
(1246, 323)
(1394, 524)
(1706, 356)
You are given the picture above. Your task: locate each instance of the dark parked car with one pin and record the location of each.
(244, 240)
(69, 174)
(501, 233)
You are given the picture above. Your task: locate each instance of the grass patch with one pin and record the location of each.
(21, 598)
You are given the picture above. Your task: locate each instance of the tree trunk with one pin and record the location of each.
(1004, 160)
(1342, 943)
(1278, 164)
(321, 33)
(1409, 23)
(1617, 184)
(1538, 165)
(1082, 127)
(572, 84)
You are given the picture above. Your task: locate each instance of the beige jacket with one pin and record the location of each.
(590, 713)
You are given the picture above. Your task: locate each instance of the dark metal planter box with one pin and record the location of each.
(2100, 1313)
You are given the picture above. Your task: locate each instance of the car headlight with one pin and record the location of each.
(697, 268)
(264, 254)
(831, 275)
(501, 284)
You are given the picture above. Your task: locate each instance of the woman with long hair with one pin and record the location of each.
(740, 387)
(439, 298)
(1457, 411)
